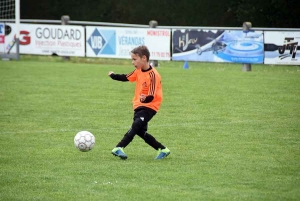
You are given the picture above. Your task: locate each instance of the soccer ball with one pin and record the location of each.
(84, 141)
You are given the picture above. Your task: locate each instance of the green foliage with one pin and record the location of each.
(274, 13)
(225, 13)
(233, 135)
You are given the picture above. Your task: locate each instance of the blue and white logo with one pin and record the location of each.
(2, 33)
(1, 28)
(103, 42)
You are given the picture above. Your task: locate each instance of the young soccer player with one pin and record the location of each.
(146, 102)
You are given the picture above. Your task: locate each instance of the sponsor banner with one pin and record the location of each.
(63, 40)
(2, 37)
(218, 46)
(118, 42)
(282, 47)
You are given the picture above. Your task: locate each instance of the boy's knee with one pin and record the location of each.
(138, 124)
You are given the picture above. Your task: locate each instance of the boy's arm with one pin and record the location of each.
(146, 99)
(119, 77)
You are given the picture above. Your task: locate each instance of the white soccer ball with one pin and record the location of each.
(84, 141)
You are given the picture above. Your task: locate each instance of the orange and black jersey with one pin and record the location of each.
(148, 83)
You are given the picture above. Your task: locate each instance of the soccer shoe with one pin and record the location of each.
(118, 151)
(163, 153)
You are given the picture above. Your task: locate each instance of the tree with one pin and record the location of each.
(271, 13)
(217, 13)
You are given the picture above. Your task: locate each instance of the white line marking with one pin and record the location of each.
(124, 128)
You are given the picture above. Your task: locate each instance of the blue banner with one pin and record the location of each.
(218, 46)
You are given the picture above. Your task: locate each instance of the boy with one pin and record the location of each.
(146, 101)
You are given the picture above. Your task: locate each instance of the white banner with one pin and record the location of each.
(118, 42)
(63, 40)
(282, 47)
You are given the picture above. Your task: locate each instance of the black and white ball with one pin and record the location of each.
(84, 141)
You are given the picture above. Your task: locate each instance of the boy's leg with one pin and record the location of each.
(150, 140)
(128, 137)
(139, 126)
(162, 150)
(140, 120)
(147, 114)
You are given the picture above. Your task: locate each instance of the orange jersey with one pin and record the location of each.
(147, 83)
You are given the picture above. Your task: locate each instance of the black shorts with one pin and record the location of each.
(143, 115)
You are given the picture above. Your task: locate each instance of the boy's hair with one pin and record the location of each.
(141, 51)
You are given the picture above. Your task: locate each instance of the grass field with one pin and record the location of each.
(233, 135)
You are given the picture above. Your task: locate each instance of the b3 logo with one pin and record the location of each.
(24, 38)
(2, 33)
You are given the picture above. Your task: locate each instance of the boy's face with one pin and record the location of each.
(137, 61)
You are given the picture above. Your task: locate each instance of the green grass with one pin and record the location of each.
(233, 135)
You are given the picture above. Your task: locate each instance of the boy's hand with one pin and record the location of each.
(110, 72)
(142, 98)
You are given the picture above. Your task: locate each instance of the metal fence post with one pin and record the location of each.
(153, 24)
(65, 21)
(246, 28)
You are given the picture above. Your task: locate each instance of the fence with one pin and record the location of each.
(115, 40)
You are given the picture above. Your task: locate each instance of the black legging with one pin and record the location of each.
(140, 126)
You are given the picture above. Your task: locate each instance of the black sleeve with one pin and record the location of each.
(148, 99)
(119, 77)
